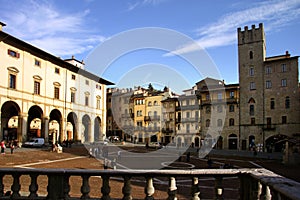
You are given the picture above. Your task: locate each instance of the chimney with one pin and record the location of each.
(287, 55)
(2, 25)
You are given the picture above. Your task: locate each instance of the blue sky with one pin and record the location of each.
(78, 27)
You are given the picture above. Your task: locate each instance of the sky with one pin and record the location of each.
(137, 42)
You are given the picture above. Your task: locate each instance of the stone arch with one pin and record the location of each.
(72, 127)
(276, 143)
(97, 129)
(196, 141)
(34, 125)
(86, 123)
(55, 126)
(10, 112)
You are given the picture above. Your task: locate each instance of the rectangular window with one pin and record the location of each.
(283, 119)
(87, 82)
(13, 53)
(251, 71)
(37, 87)
(73, 97)
(56, 92)
(12, 81)
(268, 84)
(252, 86)
(231, 94)
(56, 70)
(272, 103)
(283, 83)
(231, 108)
(283, 68)
(37, 62)
(73, 77)
(86, 101)
(268, 70)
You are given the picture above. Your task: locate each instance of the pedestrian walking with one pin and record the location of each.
(2, 144)
(119, 155)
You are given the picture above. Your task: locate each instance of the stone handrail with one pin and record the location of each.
(254, 183)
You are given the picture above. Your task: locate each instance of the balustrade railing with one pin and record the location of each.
(253, 183)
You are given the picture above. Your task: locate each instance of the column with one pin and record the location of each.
(80, 131)
(22, 127)
(91, 131)
(45, 129)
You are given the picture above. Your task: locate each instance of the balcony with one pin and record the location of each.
(252, 183)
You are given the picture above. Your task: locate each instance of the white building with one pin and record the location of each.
(42, 95)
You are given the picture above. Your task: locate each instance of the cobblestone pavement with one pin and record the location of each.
(78, 157)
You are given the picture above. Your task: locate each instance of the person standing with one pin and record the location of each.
(12, 147)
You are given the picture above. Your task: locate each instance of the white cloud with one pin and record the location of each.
(41, 24)
(139, 3)
(223, 32)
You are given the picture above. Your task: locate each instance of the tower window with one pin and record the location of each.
(268, 84)
(283, 120)
(252, 86)
(251, 71)
(251, 110)
(251, 54)
(272, 105)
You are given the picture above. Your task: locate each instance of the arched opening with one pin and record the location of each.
(251, 142)
(97, 129)
(10, 112)
(232, 141)
(276, 143)
(34, 125)
(153, 138)
(72, 129)
(55, 130)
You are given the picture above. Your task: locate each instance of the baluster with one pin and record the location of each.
(265, 192)
(127, 188)
(66, 186)
(105, 188)
(85, 188)
(254, 188)
(149, 188)
(218, 188)
(15, 188)
(195, 190)
(172, 189)
(33, 187)
(1, 185)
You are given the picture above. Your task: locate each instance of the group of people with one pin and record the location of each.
(11, 145)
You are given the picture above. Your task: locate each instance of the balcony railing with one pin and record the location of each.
(253, 183)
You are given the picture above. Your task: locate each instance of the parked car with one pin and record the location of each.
(35, 142)
(156, 145)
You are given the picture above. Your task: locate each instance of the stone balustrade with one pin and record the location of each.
(253, 183)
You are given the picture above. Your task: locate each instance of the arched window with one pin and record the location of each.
(251, 54)
(149, 103)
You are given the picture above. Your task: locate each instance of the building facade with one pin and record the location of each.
(42, 95)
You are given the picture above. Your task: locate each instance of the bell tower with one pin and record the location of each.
(251, 57)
